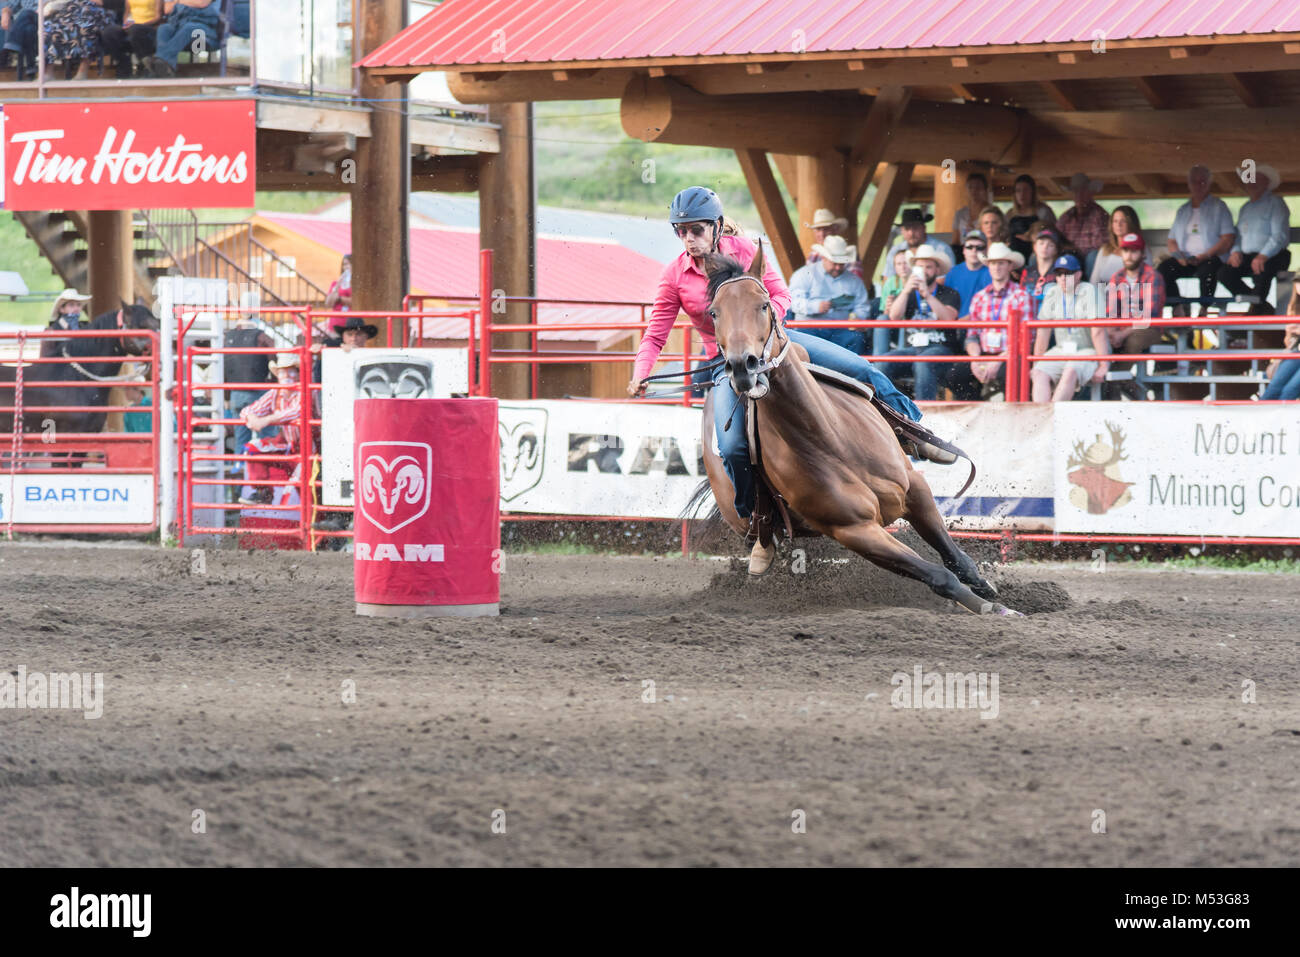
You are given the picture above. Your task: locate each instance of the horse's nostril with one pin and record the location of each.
(751, 363)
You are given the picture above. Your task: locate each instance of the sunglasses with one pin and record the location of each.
(974, 246)
(695, 229)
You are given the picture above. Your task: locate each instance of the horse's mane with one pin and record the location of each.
(719, 268)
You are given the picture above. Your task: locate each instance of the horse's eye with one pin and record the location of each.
(712, 314)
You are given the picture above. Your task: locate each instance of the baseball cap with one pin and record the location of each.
(975, 236)
(1132, 241)
(1050, 233)
(1066, 263)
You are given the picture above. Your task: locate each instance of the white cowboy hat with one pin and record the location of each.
(836, 250)
(824, 218)
(1265, 172)
(71, 295)
(1079, 180)
(1005, 252)
(284, 360)
(933, 253)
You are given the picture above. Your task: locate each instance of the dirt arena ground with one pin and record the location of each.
(1121, 695)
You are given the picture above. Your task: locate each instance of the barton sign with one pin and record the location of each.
(149, 155)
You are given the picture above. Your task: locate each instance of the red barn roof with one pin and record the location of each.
(477, 32)
(444, 263)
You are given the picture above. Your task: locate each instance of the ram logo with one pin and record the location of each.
(395, 479)
(521, 432)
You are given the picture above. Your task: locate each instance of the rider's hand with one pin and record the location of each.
(636, 388)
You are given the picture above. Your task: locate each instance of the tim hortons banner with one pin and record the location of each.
(149, 155)
(1148, 468)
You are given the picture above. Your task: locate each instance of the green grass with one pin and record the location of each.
(1244, 563)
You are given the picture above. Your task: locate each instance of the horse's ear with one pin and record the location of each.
(121, 318)
(756, 267)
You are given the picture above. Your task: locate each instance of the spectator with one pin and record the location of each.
(1201, 236)
(993, 225)
(250, 369)
(967, 218)
(1026, 211)
(825, 289)
(913, 235)
(1123, 220)
(339, 296)
(19, 20)
(824, 225)
(891, 287)
(1284, 374)
(183, 22)
(356, 332)
(1037, 275)
(1137, 292)
(1263, 232)
(971, 275)
(66, 314)
(999, 301)
(924, 299)
(135, 33)
(74, 34)
(1067, 298)
(276, 407)
(1083, 225)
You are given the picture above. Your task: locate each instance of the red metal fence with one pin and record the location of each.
(38, 452)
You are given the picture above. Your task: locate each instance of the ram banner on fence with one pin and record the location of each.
(1145, 468)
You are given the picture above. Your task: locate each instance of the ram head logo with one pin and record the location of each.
(394, 482)
(521, 432)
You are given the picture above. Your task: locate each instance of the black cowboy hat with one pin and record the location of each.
(914, 216)
(356, 322)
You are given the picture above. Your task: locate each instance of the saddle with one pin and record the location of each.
(769, 503)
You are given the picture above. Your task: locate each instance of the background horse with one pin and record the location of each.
(825, 450)
(96, 355)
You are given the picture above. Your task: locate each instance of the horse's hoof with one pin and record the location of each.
(1006, 612)
(760, 558)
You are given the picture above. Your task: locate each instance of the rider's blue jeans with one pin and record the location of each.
(732, 443)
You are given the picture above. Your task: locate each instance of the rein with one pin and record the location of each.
(134, 377)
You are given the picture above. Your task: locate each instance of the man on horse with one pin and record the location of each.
(697, 218)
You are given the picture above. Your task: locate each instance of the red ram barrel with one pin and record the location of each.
(427, 492)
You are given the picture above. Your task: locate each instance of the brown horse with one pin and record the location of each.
(825, 450)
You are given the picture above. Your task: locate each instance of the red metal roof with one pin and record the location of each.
(444, 263)
(467, 32)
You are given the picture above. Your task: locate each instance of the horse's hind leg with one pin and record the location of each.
(879, 547)
(924, 516)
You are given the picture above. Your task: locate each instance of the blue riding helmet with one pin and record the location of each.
(695, 204)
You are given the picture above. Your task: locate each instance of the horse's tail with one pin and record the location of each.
(704, 529)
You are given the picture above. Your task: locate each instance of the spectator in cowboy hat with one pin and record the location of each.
(1084, 224)
(912, 235)
(825, 289)
(824, 225)
(1069, 297)
(66, 314)
(355, 332)
(277, 407)
(925, 299)
(1263, 232)
(999, 301)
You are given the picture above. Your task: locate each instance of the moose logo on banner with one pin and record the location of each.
(394, 482)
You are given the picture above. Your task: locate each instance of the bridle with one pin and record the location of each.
(774, 335)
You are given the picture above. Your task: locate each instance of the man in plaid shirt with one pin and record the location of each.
(1137, 292)
(280, 407)
(1000, 301)
(1085, 224)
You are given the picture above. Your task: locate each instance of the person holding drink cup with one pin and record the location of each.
(924, 299)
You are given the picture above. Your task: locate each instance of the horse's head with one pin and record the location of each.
(743, 320)
(136, 317)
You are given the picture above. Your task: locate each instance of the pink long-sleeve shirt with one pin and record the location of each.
(683, 287)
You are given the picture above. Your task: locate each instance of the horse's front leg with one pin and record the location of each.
(924, 516)
(876, 545)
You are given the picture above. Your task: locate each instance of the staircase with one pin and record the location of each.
(174, 242)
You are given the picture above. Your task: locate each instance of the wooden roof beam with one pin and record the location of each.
(1060, 95)
(890, 194)
(1246, 89)
(1149, 87)
(771, 209)
(868, 149)
(1146, 184)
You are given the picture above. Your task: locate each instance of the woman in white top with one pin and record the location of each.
(1123, 220)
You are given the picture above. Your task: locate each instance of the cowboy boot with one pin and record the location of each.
(760, 558)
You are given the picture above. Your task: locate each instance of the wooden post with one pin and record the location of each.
(823, 184)
(508, 226)
(889, 196)
(380, 226)
(111, 269)
(772, 210)
(948, 198)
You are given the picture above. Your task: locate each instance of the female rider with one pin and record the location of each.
(697, 218)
